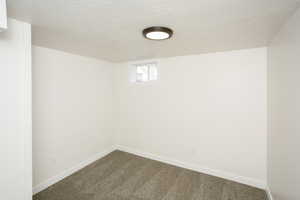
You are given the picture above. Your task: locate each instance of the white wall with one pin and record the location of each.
(283, 112)
(205, 110)
(15, 112)
(72, 112)
(3, 15)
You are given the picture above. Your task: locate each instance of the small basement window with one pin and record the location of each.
(144, 72)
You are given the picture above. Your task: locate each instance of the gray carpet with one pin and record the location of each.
(123, 176)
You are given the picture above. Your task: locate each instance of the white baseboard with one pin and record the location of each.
(268, 191)
(70, 171)
(230, 176)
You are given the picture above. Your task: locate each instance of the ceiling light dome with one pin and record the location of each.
(157, 33)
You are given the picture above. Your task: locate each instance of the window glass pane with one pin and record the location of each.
(142, 73)
(152, 72)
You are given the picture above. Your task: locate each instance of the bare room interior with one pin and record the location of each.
(149, 100)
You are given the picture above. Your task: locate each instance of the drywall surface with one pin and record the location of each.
(283, 112)
(15, 112)
(3, 15)
(206, 110)
(72, 111)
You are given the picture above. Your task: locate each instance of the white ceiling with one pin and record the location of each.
(111, 29)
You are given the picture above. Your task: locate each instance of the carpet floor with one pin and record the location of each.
(123, 176)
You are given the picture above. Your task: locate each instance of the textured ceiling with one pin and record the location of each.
(111, 29)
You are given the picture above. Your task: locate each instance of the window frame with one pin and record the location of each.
(135, 65)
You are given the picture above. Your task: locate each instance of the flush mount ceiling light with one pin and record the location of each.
(157, 33)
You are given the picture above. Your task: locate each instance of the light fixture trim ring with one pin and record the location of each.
(157, 29)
